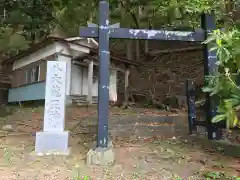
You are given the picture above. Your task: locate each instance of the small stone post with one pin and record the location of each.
(53, 139)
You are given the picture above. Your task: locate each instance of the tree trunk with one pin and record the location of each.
(91, 15)
(138, 15)
(90, 82)
(129, 42)
(129, 52)
(126, 89)
(146, 46)
(229, 11)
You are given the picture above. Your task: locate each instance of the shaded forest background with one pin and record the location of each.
(166, 64)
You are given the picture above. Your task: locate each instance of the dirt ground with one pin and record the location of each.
(148, 144)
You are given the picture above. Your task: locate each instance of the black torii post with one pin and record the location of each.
(190, 93)
(103, 32)
(103, 85)
(210, 66)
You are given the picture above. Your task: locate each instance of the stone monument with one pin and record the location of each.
(53, 139)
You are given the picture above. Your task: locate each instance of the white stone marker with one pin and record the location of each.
(53, 139)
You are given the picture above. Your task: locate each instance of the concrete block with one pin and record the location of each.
(101, 156)
(51, 143)
(7, 128)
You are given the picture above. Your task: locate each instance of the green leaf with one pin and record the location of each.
(86, 178)
(235, 121)
(207, 89)
(213, 48)
(232, 101)
(209, 40)
(219, 118)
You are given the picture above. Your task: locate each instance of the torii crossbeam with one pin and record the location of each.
(103, 32)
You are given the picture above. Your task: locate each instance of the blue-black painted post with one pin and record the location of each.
(190, 93)
(103, 85)
(210, 66)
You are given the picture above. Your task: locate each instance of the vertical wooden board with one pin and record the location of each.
(43, 71)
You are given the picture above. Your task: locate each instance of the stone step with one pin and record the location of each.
(82, 99)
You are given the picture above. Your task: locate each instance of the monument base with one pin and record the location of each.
(100, 156)
(51, 143)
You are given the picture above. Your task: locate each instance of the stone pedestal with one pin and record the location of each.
(100, 156)
(52, 143)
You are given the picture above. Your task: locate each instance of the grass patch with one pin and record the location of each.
(5, 111)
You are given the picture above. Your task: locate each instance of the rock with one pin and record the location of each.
(100, 156)
(171, 101)
(7, 128)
